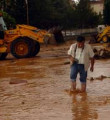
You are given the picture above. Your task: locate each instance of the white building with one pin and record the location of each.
(97, 5)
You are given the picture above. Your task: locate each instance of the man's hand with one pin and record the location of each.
(91, 68)
(92, 64)
(71, 59)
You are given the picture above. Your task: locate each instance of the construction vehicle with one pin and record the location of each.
(22, 42)
(102, 36)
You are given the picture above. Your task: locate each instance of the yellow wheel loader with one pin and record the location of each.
(22, 42)
(103, 35)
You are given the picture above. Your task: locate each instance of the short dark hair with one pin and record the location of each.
(80, 38)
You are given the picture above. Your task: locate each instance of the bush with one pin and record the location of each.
(9, 21)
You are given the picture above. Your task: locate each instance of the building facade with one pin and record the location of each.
(97, 5)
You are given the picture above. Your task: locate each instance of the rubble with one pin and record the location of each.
(102, 53)
(101, 77)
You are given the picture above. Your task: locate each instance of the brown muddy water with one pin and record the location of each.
(37, 89)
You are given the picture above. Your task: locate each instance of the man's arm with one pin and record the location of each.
(92, 60)
(92, 64)
(71, 53)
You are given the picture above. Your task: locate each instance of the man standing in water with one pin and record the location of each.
(81, 56)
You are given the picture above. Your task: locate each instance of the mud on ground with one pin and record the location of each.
(38, 88)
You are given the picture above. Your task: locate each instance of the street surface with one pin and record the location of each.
(38, 88)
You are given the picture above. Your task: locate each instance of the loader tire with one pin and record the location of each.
(21, 47)
(105, 39)
(3, 56)
(36, 49)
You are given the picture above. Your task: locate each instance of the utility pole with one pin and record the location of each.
(27, 11)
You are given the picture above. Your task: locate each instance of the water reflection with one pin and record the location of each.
(81, 108)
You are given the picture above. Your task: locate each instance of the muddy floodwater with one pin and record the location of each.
(38, 88)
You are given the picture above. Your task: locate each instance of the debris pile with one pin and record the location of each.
(102, 53)
(56, 35)
(101, 77)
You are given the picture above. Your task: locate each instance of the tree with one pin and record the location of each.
(64, 13)
(85, 16)
(106, 12)
(40, 13)
(48, 13)
(8, 19)
(17, 9)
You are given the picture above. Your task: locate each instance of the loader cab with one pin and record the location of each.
(100, 28)
(1, 32)
(2, 27)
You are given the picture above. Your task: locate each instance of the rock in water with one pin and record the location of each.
(91, 79)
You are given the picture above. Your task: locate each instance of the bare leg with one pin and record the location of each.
(83, 87)
(73, 86)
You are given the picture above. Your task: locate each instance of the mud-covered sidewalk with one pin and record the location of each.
(38, 88)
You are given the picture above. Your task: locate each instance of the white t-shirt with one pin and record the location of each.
(82, 55)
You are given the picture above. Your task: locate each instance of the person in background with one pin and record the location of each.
(81, 57)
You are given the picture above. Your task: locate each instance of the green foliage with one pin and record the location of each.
(8, 19)
(49, 13)
(85, 16)
(59, 12)
(17, 9)
(40, 13)
(107, 12)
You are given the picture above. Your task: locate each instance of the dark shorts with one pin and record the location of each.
(78, 68)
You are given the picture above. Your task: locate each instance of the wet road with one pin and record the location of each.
(37, 89)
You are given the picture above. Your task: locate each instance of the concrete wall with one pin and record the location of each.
(72, 34)
(79, 31)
